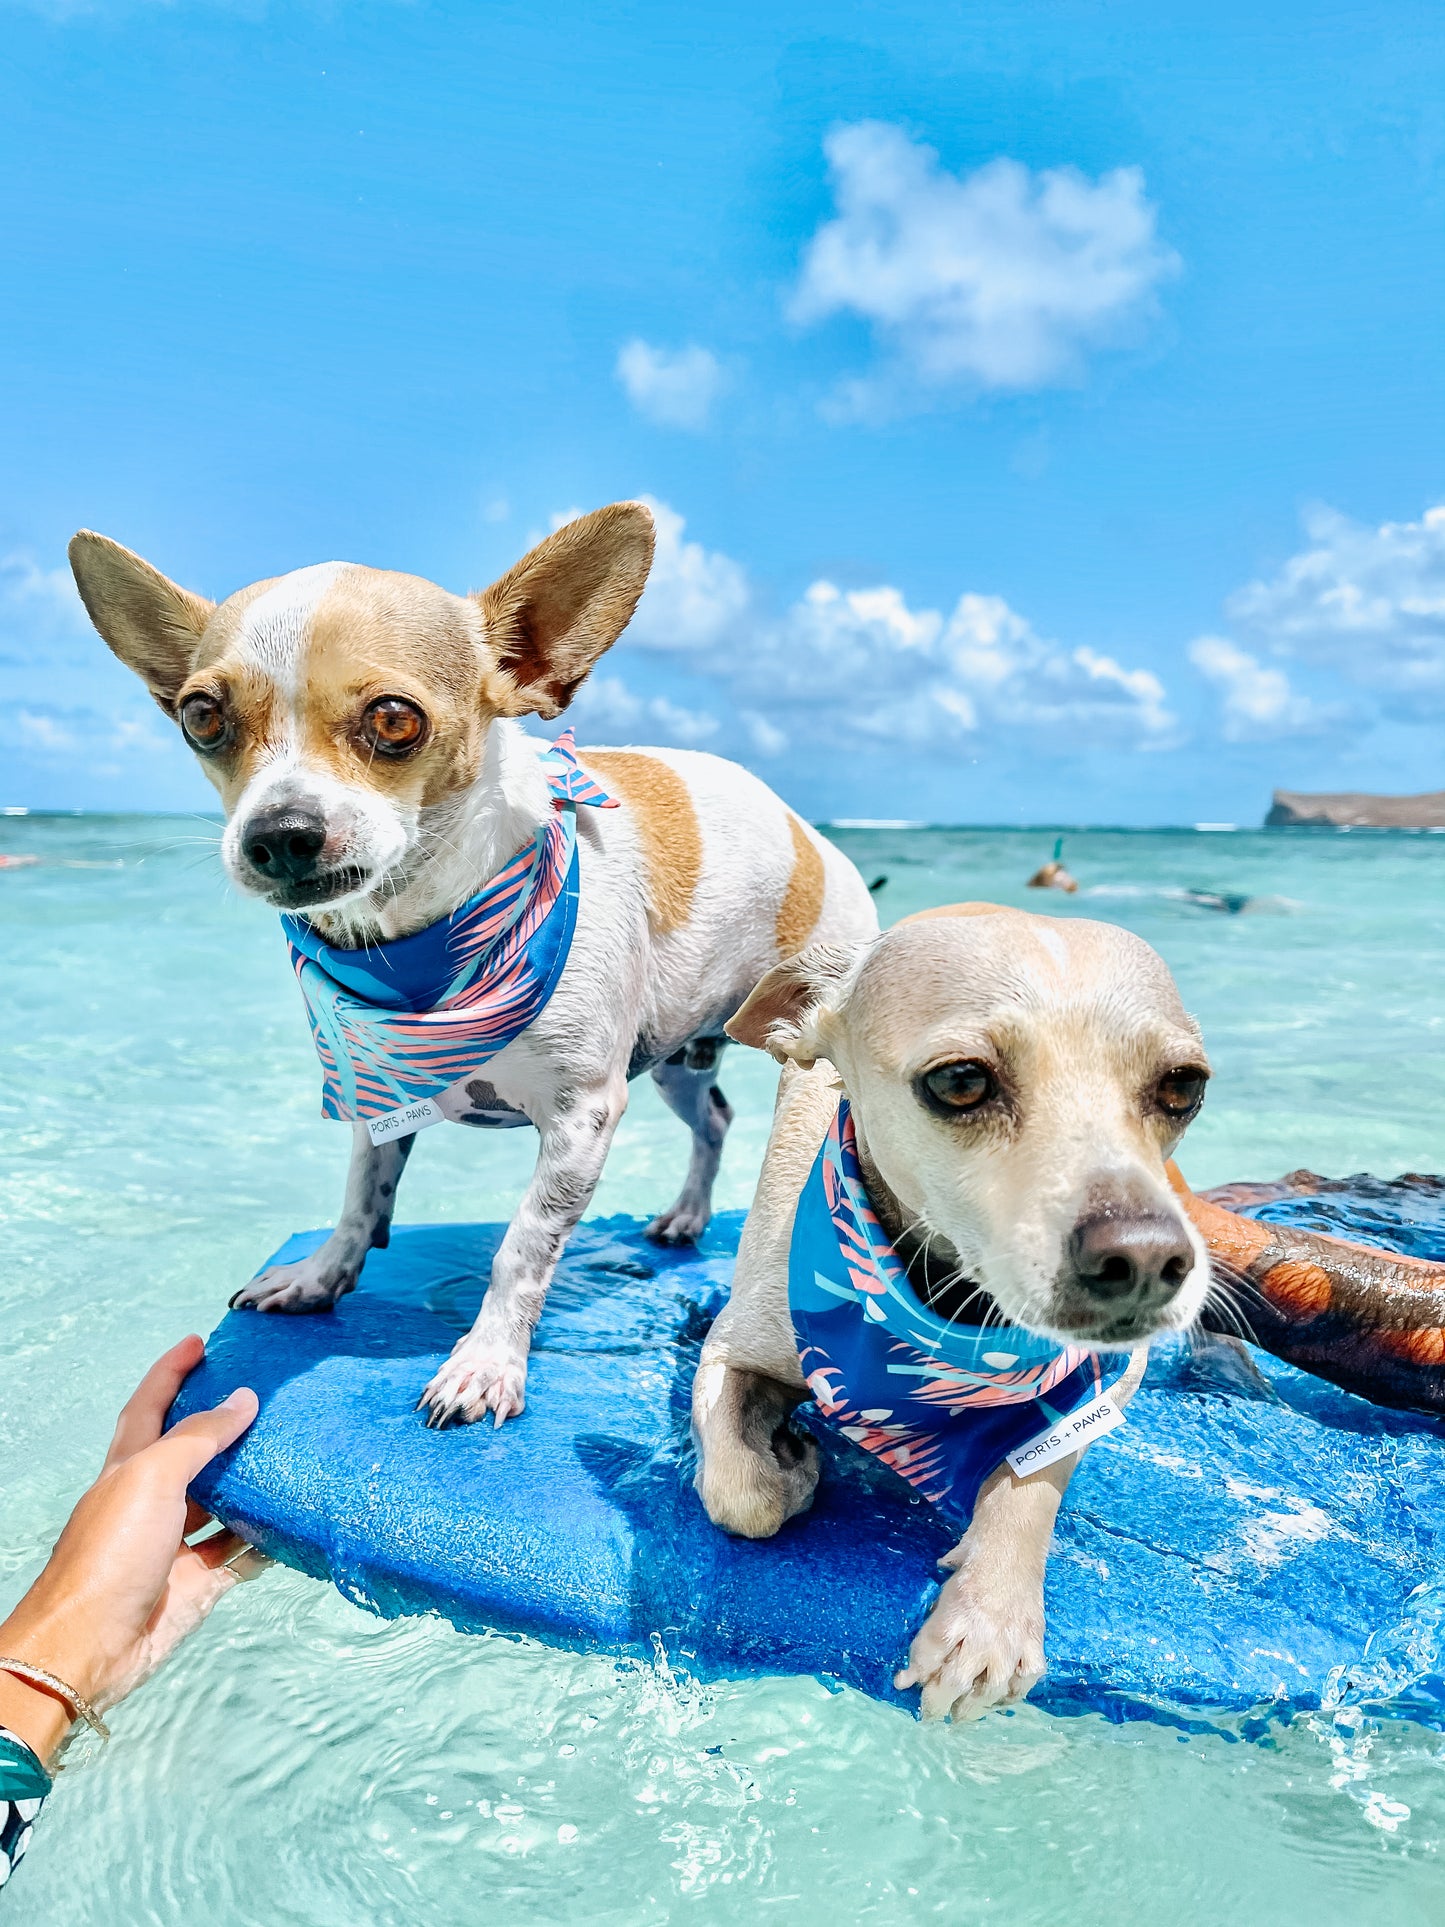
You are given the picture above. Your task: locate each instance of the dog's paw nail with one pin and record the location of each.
(465, 1391)
(676, 1228)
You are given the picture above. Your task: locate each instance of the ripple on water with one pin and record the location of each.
(303, 1762)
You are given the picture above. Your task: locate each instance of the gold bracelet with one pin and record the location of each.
(80, 1709)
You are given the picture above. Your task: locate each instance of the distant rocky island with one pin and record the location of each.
(1352, 810)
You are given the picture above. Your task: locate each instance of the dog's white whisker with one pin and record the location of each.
(1228, 1309)
(1224, 1277)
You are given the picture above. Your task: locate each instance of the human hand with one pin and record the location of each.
(122, 1589)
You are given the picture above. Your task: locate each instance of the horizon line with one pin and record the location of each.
(19, 811)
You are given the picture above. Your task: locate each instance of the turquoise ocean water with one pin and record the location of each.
(302, 1762)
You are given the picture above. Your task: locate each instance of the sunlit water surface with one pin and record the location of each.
(302, 1762)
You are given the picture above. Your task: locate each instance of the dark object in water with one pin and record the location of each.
(1368, 1319)
(1052, 875)
(876, 885)
(1226, 900)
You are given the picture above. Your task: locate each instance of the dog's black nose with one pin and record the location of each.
(283, 844)
(1143, 1258)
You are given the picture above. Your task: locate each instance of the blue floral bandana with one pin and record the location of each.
(397, 1024)
(943, 1404)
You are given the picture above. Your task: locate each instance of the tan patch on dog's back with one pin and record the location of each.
(662, 808)
(802, 902)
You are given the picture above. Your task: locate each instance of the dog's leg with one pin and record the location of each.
(315, 1283)
(686, 1084)
(983, 1643)
(754, 1471)
(487, 1370)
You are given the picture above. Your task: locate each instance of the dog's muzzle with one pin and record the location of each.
(283, 848)
(1121, 1270)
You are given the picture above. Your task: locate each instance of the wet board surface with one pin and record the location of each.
(1242, 1548)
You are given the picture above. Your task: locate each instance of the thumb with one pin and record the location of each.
(191, 1445)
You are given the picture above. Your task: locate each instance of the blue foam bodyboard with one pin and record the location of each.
(1239, 1548)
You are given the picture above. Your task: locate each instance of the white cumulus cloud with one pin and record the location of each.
(675, 387)
(1002, 278)
(607, 710)
(42, 730)
(882, 670)
(694, 596)
(1256, 700)
(864, 666)
(41, 614)
(64, 699)
(1368, 602)
(764, 737)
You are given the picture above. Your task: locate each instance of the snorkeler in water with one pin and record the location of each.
(1227, 901)
(1053, 875)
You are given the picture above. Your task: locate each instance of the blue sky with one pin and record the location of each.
(1045, 403)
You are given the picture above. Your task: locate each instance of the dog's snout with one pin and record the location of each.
(283, 844)
(1140, 1259)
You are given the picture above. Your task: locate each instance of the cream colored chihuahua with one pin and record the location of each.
(359, 726)
(963, 1210)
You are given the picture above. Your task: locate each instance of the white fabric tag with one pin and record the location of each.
(1071, 1434)
(411, 1117)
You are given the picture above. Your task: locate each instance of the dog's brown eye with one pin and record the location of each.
(393, 727)
(204, 722)
(953, 1089)
(1181, 1090)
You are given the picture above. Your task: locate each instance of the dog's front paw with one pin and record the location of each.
(311, 1284)
(682, 1224)
(478, 1378)
(980, 1647)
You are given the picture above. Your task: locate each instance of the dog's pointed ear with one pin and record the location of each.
(554, 613)
(782, 1014)
(150, 622)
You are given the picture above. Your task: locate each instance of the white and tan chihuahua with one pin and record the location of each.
(359, 726)
(1016, 1084)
